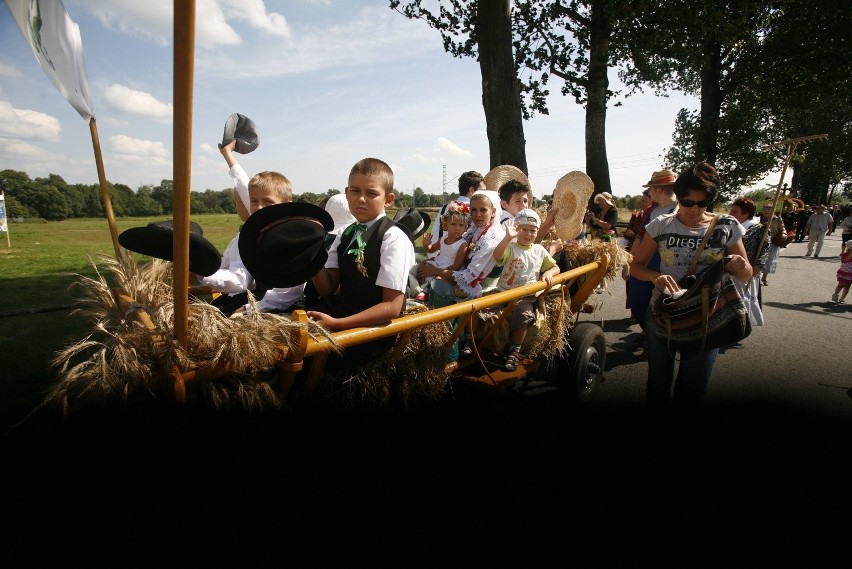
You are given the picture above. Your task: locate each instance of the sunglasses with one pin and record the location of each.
(690, 203)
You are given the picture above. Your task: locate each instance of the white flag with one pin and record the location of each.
(55, 41)
(3, 227)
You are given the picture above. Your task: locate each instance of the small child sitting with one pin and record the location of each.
(451, 249)
(524, 261)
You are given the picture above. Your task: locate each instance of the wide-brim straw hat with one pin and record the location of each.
(499, 175)
(605, 197)
(571, 196)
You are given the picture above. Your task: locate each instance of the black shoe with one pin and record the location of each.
(816, 256)
(466, 350)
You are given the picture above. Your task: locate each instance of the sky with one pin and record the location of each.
(327, 82)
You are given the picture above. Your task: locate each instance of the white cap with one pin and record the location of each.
(338, 208)
(528, 217)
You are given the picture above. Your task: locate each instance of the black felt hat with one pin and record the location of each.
(413, 222)
(240, 128)
(157, 240)
(285, 245)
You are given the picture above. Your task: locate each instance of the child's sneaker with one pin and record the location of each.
(422, 297)
(834, 297)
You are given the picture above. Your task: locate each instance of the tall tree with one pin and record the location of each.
(578, 42)
(483, 30)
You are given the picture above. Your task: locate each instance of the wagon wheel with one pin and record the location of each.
(581, 373)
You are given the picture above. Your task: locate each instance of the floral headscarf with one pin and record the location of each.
(483, 241)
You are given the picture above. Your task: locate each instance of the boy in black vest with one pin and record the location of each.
(364, 280)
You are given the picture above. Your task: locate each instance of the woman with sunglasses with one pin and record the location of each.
(677, 236)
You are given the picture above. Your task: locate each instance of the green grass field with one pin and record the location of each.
(38, 291)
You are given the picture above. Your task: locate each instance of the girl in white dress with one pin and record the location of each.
(451, 248)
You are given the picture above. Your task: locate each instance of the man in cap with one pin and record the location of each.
(818, 225)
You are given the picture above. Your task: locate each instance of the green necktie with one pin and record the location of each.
(359, 229)
(358, 250)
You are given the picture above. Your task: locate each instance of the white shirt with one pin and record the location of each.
(232, 276)
(241, 181)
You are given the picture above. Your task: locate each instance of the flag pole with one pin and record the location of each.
(184, 59)
(791, 145)
(107, 203)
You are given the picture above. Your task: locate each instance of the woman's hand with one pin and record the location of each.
(666, 284)
(738, 266)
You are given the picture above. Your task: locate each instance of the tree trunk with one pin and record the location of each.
(711, 103)
(597, 165)
(501, 95)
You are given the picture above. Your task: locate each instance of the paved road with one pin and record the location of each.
(797, 362)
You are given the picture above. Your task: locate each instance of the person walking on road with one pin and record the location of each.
(818, 225)
(776, 227)
(661, 191)
(676, 237)
(802, 221)
(845, 225)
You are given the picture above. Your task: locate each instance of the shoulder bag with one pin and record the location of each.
(710, 313)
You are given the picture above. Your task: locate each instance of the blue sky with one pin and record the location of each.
(327, 82)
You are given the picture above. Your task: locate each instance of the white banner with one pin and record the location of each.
(3, 227)
(55, 41)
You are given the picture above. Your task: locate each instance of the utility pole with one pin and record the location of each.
(445, 179)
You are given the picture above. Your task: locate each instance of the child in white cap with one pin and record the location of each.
(524, 261)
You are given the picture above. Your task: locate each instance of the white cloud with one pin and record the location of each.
(254, 12)
(445, 146)
(423, 159)
(20, 149)
(137, 103)
(7, 70)
(28, 124)
(137, 149)
(154, 21)
(148, 20)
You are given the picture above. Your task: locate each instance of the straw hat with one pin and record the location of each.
(605, 197)
(499, 175)
(661, 178)
(571, 195)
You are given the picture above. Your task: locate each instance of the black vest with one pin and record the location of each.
(360, 292)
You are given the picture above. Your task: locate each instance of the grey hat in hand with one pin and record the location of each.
(242, 129)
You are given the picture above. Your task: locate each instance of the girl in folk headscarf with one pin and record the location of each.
(484, 234)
